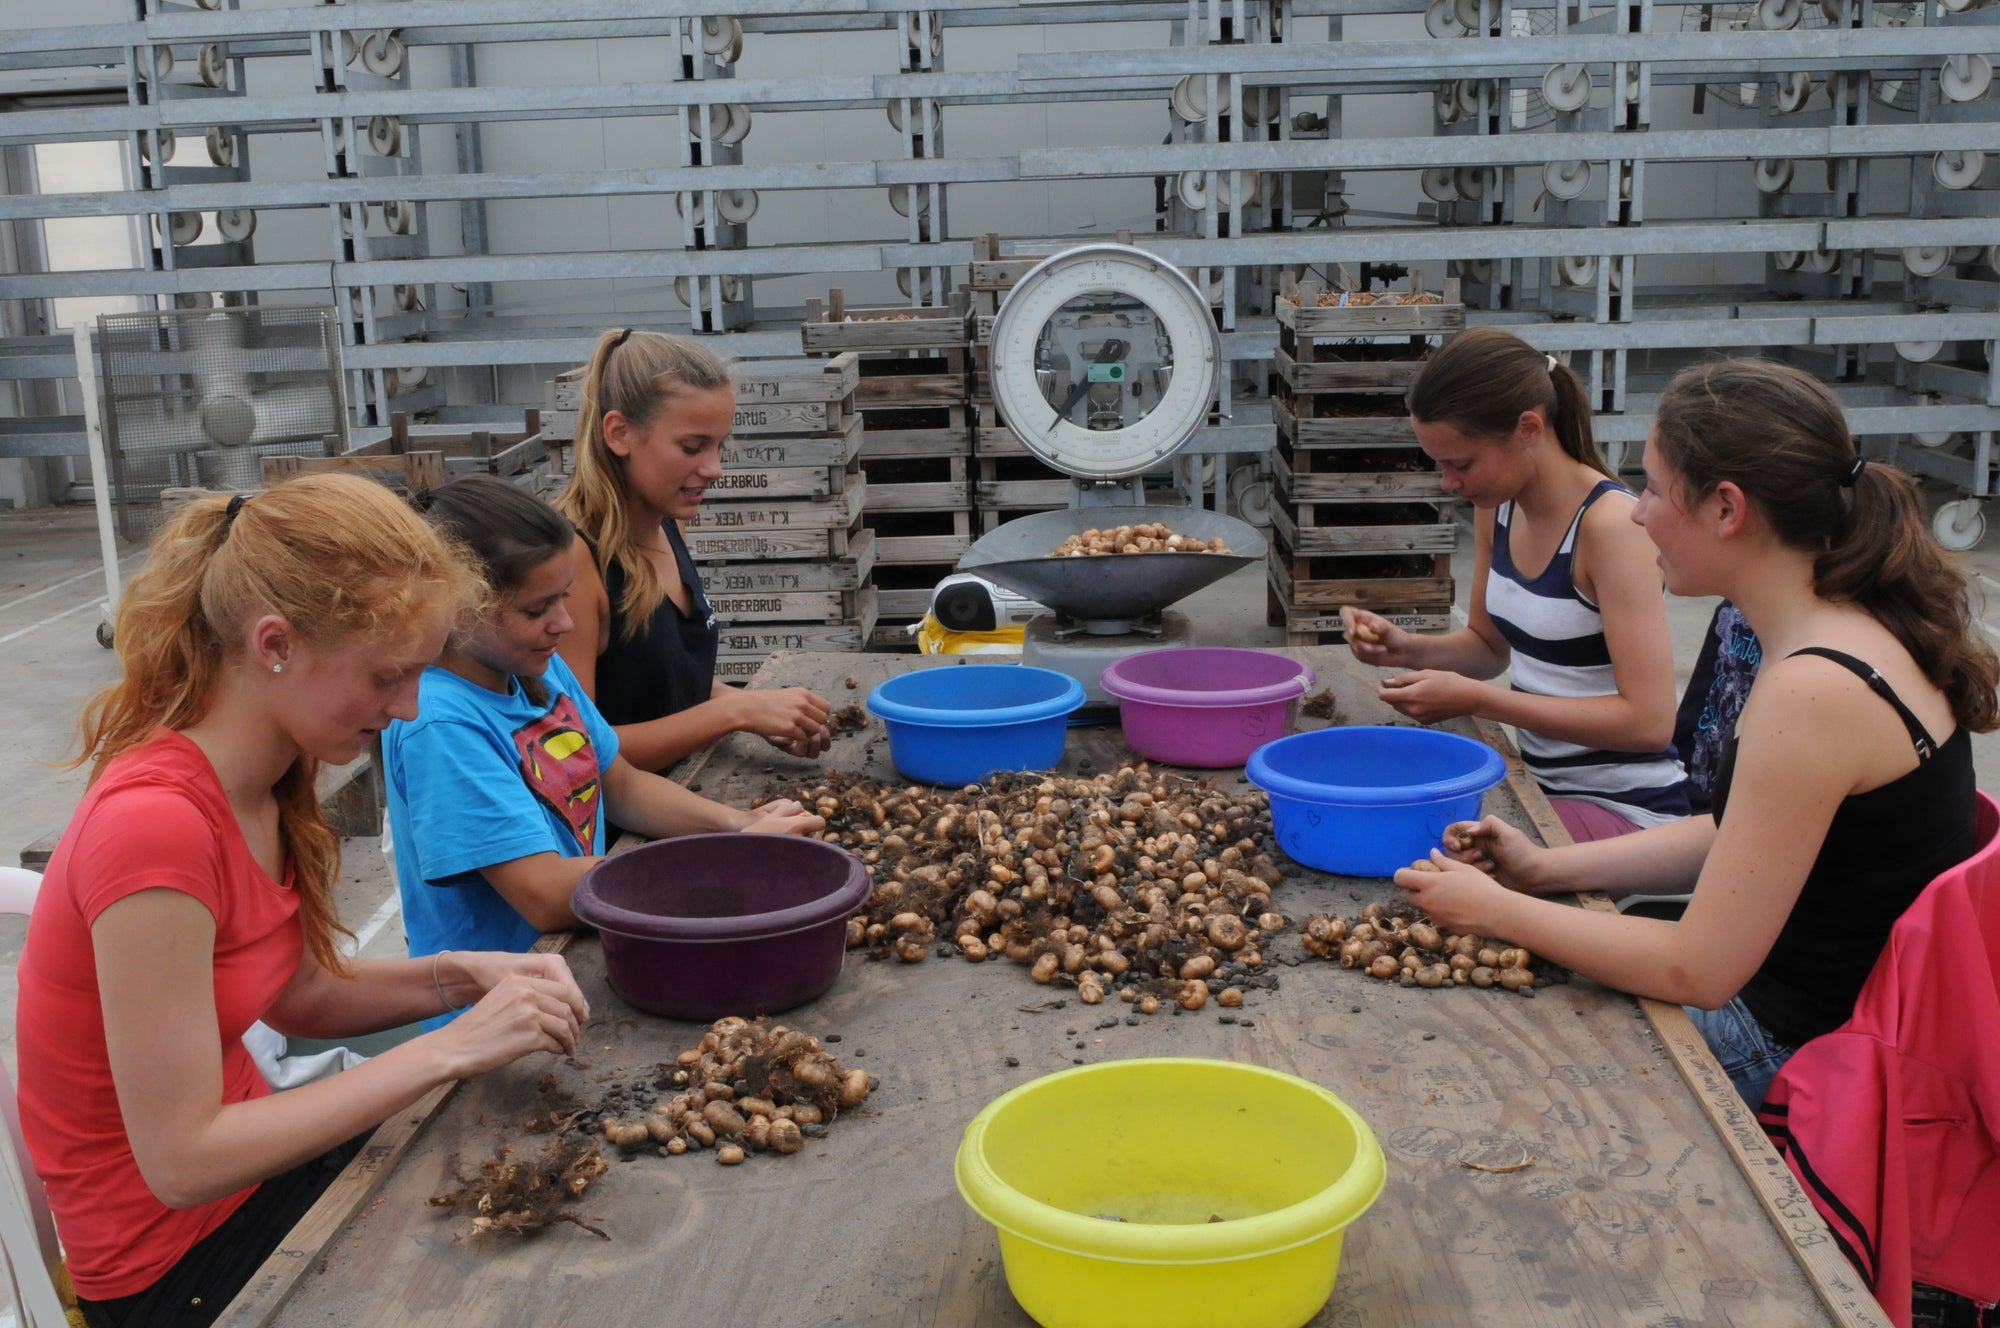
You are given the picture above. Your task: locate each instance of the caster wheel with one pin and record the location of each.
(104, 635)
(1960, 525)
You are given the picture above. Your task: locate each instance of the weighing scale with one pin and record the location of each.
(1105, 361)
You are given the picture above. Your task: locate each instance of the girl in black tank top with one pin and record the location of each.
(1834, 807)
(651, 424)
(669, 665)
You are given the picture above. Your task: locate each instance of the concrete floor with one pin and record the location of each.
(51, 581)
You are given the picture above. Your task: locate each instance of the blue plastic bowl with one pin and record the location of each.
(957, 724)
(1366, 801)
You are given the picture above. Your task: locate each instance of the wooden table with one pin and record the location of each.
(1652, 1200)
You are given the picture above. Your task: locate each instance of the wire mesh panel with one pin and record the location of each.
(195, 397)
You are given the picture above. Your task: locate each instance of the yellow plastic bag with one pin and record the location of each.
(934, 638)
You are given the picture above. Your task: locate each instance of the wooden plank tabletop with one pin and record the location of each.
(1648, 1202)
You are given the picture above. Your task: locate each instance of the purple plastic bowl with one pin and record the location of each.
(1208, 706)
(711, 925)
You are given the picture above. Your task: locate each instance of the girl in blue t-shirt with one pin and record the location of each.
(499, 790)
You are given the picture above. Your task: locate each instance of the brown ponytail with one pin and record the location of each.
(1483, 380)
(633, 373)
(339, 558)
(1779, 435)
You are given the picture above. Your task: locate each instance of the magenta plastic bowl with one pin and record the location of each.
(711, 925)
(1207, 706)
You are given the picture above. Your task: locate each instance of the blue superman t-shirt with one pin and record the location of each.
(479, 778)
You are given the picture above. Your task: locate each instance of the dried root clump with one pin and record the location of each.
(1405, 947)
(1098, 884)
(513, 1197)
(849, 718)
(1148, 537)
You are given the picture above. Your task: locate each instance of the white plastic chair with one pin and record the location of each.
(27, 1232)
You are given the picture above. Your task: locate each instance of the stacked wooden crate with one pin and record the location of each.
(1009, 479)
(916, 446)
(784, 552)
(1358, 514)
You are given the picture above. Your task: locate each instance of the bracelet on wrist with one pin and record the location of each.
(438, 985)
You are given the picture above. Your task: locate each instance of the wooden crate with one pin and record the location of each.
(471, 452)
(1019, 484)
(918, 484)
(736, 532)
(1299, 312)
(755, 641)
(406, 472)
(935, 378)
(1375, 477)
(831, 326)
(1306, 627)
(1401, 571)
(917, 431)
(815, 449)
(993, 272)
(992, 436)
(920, 537)
(1341, 421)
(1378, 347)
(772, 396)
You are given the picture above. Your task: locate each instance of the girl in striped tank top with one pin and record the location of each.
(1566, 592)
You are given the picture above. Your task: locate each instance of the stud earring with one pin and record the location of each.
(277, 668)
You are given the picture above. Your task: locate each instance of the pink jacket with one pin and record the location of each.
(1892, 1121)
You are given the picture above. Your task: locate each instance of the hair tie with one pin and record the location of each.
(1552, 365)
(424, 498)
(236, 501)
(1854, 472)
(622, 338)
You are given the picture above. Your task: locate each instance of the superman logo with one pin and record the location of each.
(560, 767)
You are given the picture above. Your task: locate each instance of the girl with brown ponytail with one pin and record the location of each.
(192, 895)
(650, 427)
(1565, 592)
(1848, 783)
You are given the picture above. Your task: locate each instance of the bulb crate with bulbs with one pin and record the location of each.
(1358, 515)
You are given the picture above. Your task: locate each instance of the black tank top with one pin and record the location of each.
(670, 665)
(1881, 849)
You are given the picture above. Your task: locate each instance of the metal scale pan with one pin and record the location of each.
(1107, 593)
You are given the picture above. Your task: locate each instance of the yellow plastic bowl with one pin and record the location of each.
(1103, 1183)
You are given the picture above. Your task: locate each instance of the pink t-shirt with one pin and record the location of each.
(156, 819)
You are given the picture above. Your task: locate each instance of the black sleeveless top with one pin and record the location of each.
(669, 666)
(1881, 849)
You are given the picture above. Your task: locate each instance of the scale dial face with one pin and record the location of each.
(1106, 360)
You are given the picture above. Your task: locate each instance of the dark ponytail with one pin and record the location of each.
(1483, 380)
(1779, 435)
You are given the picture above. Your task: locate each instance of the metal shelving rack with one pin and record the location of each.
(1525, 265)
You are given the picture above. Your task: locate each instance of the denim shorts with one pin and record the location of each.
(1749, 1054)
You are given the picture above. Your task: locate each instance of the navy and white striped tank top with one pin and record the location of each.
(1557, 639)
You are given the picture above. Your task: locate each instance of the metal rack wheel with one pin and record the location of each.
(1961, 524)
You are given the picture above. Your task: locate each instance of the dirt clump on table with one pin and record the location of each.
(1320, 705)
(846, 719)
(1401, 945)
(1146, 537)
(1150, 886)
